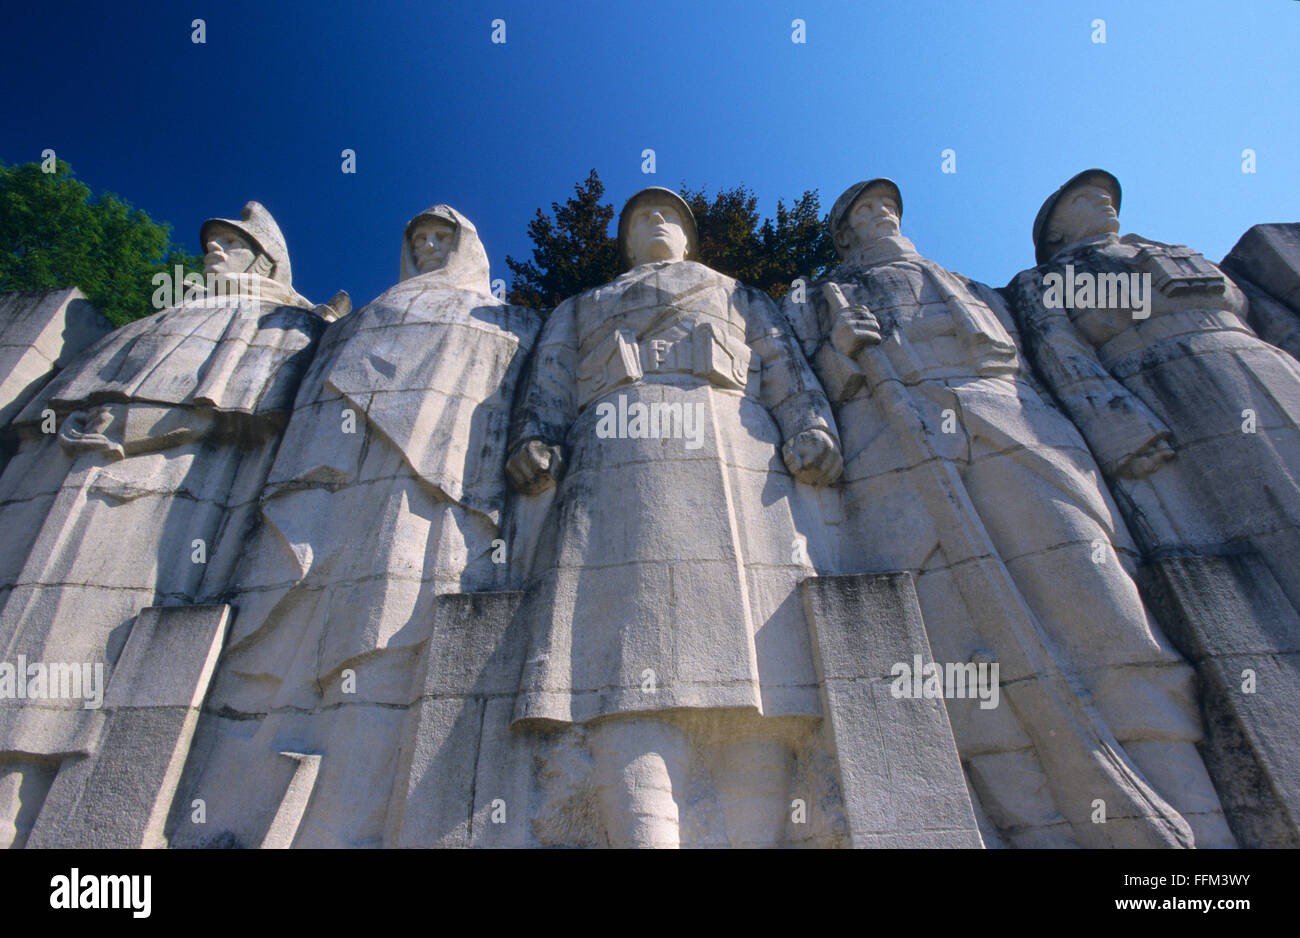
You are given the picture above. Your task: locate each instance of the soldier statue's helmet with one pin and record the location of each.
(1043, 249)
(256, 225)
(844, 204)
(665, 197)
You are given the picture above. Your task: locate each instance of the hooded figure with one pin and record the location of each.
(959, 469)
(674, 408)
(166, 430)
(388, 491)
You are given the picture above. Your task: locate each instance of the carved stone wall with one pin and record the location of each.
(909, 561)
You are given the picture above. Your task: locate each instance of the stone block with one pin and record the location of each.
(119, 795)
(1230, 618)
(1269, 257)
(40, 331)
(900, 774)
(469, 673)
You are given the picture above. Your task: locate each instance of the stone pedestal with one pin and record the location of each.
(119, 794)
(899, 770)
(460, 763)
(40, 331)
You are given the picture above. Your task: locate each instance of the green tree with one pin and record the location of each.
(767, 253)
(572, 252)
(54, 232)
(574, 249)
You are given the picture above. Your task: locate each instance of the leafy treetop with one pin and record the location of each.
(55, 233)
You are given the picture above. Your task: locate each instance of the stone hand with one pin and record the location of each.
(813, 457)
(534, 467)
(86, 431)
(1142, 464)
(855, 326)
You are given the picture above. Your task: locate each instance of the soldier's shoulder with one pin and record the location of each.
(1137, 240)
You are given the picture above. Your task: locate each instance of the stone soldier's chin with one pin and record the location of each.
(428, 263)
(657, 252)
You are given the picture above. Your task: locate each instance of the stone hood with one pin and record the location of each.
(431, 364)
(467, 264)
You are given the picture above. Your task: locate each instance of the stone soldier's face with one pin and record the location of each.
(656, 233)
(874, 216)
(227, 252)
(431, 241)
(1084, 213)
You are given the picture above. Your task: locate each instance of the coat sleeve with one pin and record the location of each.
(1116, 424)
(787, 387)
(546, 401)
(1000, 302)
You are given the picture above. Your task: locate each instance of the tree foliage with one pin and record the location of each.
(54, 232)
(766, 253)
(575, 250)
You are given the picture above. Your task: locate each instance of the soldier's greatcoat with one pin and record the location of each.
(665, 574)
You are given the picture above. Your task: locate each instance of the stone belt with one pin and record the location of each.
(1116, 352)
(706, 352)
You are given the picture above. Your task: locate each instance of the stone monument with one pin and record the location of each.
(907, 562)
(1195, 420)
(675, 410)
(959, 470)
(166, 430)
(388, 491)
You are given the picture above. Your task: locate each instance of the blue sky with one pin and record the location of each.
(438, 113)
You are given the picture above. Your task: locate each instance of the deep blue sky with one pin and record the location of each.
(437, 113)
